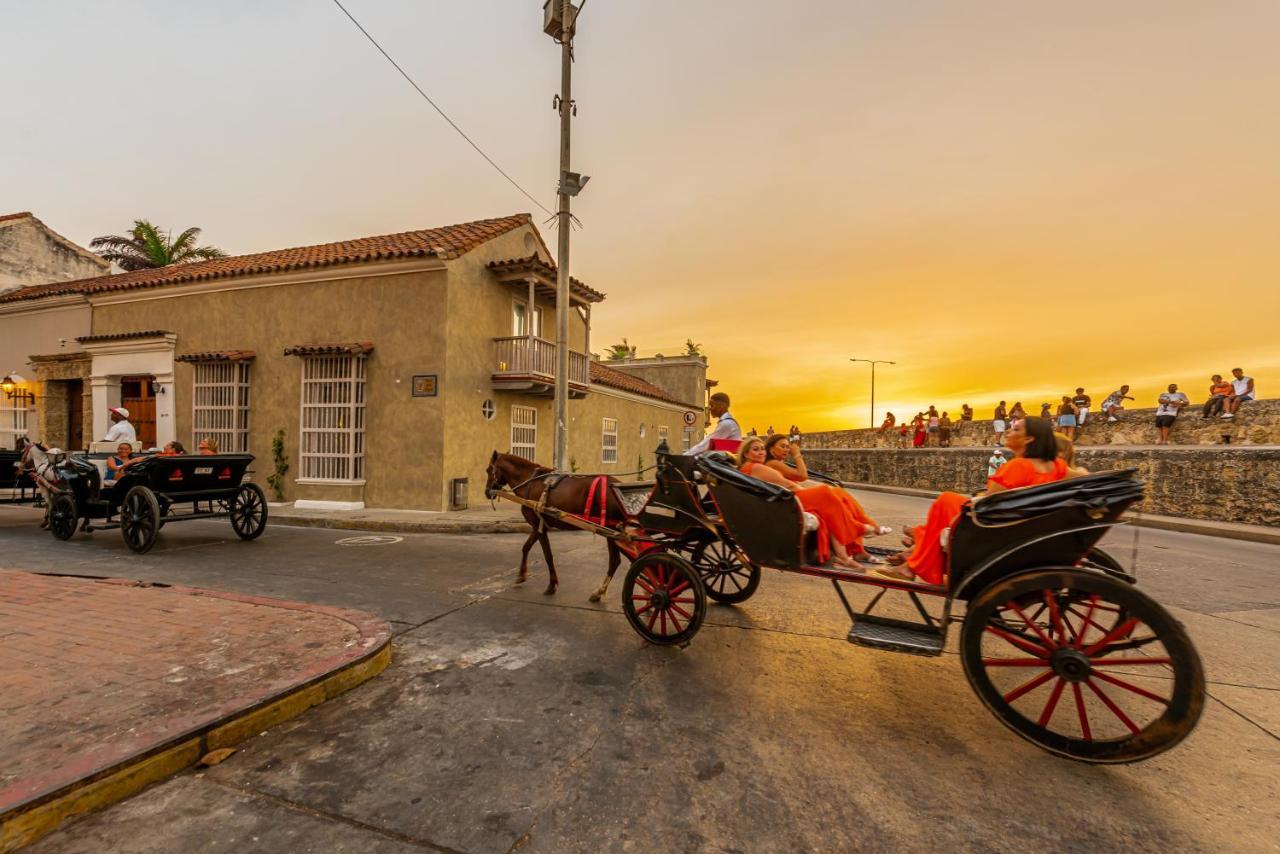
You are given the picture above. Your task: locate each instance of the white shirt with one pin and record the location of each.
(1241, 386)
(1167, 401)
(121, 431)
(726, 428)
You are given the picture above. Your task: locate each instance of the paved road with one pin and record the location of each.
(513, 720)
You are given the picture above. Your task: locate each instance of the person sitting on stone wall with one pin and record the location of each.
(1241, 392)
(1113, 406)
(1219, 391)
(888, 422)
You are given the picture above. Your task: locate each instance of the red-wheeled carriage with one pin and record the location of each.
(1055, 637)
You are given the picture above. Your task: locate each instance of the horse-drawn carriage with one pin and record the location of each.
(148, 494)
(1055, 638)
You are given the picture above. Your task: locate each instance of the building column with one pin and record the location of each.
(166, 407)
(51, 414)
(104, 394)
(586, 346)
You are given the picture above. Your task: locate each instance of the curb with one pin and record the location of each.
(1203, 527)
(405, 527)
(43, 813)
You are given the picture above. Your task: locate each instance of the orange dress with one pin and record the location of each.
(822, 502)
(926, 559)
(850, 505)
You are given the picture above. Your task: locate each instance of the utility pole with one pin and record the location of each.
(560, 24)
(873, 363)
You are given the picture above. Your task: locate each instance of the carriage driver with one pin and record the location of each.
(120, 430)
(726, 425)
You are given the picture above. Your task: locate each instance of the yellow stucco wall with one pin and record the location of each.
(401, 314)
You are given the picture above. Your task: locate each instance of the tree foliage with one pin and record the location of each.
(620, 352)
(147, 247)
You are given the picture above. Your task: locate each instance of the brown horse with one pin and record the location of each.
(565, 492)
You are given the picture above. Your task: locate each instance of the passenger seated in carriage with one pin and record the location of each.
(778, 449)
(1036, 460)
(118, 462)
(836, 526)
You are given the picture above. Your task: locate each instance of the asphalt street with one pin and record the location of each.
(513, 720)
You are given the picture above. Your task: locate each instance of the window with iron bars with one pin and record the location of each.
(332, 440)
(524, 431)
(609, 442)
(220, 405)
(16, 419)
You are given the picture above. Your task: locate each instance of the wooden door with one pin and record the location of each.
(75, 416)
(138, 395)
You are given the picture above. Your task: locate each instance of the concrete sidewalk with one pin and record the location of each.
(109, 685)
(505, 518)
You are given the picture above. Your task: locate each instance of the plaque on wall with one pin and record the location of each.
(424, 385)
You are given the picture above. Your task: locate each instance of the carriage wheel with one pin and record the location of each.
(249, 512)
(63, 517)
(728, 580)
(664, 598)
(140, 519)
(1082, 664)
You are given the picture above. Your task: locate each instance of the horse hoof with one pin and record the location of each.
(522, 579)
(550, 591)
(594, 597)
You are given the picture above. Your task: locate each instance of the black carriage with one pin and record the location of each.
(154, 491)
(1055, 638)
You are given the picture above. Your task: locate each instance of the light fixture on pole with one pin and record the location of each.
(873, 363)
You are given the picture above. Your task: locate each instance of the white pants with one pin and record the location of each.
(1084, 413)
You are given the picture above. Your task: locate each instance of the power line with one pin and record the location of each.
(442, 113)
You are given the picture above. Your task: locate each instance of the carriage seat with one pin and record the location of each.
(1102, 494)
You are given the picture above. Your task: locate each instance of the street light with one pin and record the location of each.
(873, 363)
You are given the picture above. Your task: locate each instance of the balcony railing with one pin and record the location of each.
(534, 359)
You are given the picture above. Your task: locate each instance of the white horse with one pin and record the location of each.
(37, 460)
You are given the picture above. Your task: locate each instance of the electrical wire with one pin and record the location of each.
(442, 113)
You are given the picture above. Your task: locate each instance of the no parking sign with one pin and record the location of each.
(690, 418)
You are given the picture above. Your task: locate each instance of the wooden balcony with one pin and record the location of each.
(529, 364)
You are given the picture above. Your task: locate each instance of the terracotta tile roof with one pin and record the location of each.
(216, 356)
(606, 376)
(122, 336)
(354, 348)
(532, 263)
(446, 243)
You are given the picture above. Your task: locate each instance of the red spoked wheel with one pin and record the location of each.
(664, 598)
(1082, 664)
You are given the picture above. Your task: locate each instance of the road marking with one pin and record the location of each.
(369, 540)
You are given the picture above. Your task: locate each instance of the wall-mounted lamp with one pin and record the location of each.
(11, 391)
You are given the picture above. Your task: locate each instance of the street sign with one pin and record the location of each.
(690, 418)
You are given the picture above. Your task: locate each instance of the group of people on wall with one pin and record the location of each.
(1040, 455)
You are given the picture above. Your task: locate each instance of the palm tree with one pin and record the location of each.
(620, 352)
(148, 247)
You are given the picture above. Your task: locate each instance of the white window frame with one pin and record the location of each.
(687, 438)
(16, 419)
(609, 441)
(519, 318)
(524, 431)
(220, 405)
(331, 426)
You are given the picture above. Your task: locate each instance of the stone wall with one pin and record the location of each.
(1216, 484)
(1258, 423)
(33, 254)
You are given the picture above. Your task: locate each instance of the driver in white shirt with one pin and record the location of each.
(120, 430)
(726, 425)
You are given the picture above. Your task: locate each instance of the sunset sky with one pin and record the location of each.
(1008, 199)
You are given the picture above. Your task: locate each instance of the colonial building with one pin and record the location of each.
(385, 369)
(31, 253)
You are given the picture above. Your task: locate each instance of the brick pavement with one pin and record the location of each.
(98, 672)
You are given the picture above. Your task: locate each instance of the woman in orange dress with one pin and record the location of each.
(778, 449)
(835, 527)
(1036, 461)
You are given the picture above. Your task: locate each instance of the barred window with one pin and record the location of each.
(15, 420)
(332, 442)
(662, 433)
(220, 405)
(524, 431)
(687, 439)
(609, 442)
